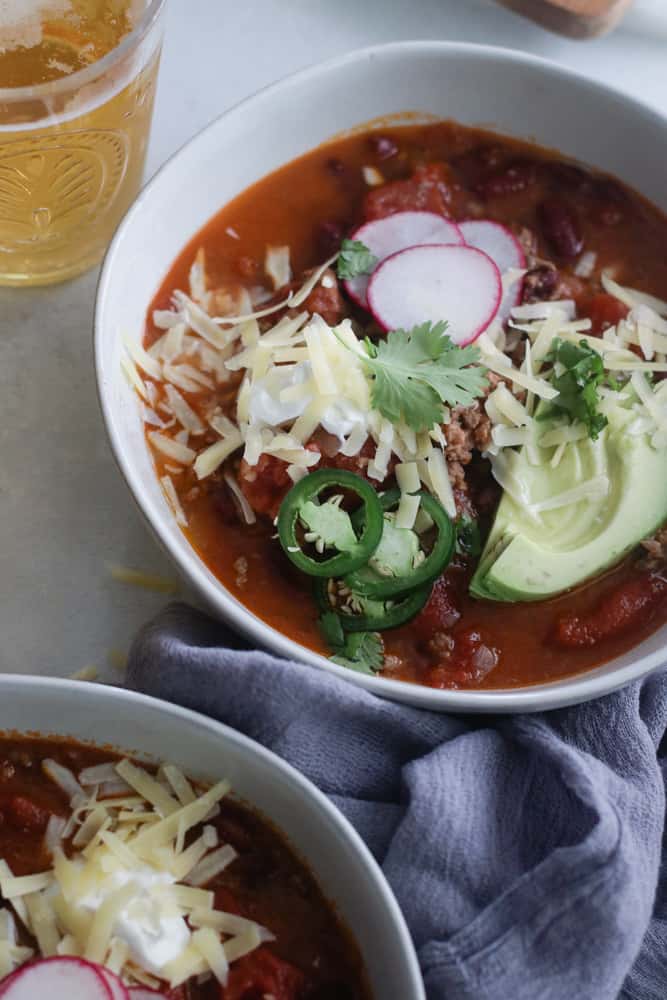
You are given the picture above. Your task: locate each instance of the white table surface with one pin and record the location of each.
(65, 513)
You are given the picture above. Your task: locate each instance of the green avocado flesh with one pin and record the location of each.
(531, 556)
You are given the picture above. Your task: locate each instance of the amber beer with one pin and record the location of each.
(77, 81)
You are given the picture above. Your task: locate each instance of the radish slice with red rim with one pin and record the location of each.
(385, 237)
(142, 993)
(503, 248)
(58, 979)
(458, 284)
(119, 990)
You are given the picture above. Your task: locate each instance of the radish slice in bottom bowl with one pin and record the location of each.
(458, 284)
(387, 236)
(503, 248)
(56, 979)
(118, 989)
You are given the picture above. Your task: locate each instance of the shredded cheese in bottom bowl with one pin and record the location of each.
(130, 892)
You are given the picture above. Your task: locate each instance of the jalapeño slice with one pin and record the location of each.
(368, 582)
(371, 615)
(328, 526)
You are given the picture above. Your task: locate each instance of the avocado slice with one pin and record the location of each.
(531, 556)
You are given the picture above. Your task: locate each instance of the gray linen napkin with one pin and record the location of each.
(526, 852)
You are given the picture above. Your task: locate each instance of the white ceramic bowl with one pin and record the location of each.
(512, 93)
(157, 731)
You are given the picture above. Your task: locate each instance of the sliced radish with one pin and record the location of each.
(57, 979)
(431, 283)
(384, 237)
(119, 990)
(142, 993)
(503, 247)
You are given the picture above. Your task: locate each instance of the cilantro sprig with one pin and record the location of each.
(468, 537)
(417, 372)
(354, 259)
(360, 651)
(580, 373)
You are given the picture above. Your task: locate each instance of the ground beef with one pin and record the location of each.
(540, 284)
(656, 547)
(441, 646)
(468, 430)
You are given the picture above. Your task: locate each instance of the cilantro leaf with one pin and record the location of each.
(331, 629)
(360, 651)
(354, 259)
(468, 539)
(577, 385)
(363, 652)
(415, 372)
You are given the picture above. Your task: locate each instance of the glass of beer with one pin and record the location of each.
(77, 82)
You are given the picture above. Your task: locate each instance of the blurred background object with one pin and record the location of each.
(590, 18)
(578, 18)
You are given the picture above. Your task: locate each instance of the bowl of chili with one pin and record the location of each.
(320, 286)
(270, 890)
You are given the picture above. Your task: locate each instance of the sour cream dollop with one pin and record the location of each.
(154, 935)
(265, 407)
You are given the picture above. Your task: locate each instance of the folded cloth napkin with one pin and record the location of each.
(524, 851)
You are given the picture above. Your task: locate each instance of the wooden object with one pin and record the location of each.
(577, 18)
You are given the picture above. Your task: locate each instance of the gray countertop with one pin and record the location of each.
(65, 513)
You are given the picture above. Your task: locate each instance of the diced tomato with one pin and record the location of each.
(628, 607)
(262, 974)
(358, 463)
(466, 661)
(429, 190)
(265, 484)
(26, 815)
(442, 610)
(605, 311)
(327, 301)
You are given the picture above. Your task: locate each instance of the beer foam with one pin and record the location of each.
(21, 22)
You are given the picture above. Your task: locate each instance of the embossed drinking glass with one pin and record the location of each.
(72, 154)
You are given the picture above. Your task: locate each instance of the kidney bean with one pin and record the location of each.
(514, 179)
(383, 147)
(610, 203)
(329, 236)
(573, 178)
(540, 284)
(27, 815)
(560, 228)
(224, 502)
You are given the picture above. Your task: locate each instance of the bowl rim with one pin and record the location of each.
(19, 684)
(569, 690)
